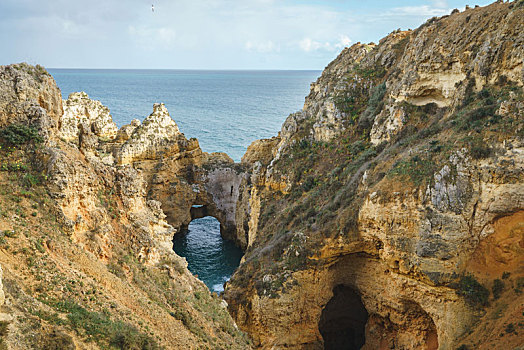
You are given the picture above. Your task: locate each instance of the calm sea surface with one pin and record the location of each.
(225, 110)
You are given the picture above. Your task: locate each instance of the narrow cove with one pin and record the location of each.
(208, 255)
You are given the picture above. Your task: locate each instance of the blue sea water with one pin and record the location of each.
(225, 110)
(209, 256)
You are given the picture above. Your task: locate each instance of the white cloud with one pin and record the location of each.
(310, 45)
(70, 28)
(200, 34)
(422, 11)
(307, 44)
(343, 42)
(152, 38)
(262, 47)
(442, 4)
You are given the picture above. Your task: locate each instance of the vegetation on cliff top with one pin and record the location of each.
(60, 291)
(326, 177)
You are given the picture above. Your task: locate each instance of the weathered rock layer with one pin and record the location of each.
(399, 171)
(85, 245)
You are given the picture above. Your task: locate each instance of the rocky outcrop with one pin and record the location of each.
(79, 109)
(438, 73)
(387, 124)
(29, 95)
(157, 135)
(404, 163)
(125, 132)
(92, 226)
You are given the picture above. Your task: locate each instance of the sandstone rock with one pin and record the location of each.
(388, 123)
(157, 135)
(319, 104)
(399, 242)
(29, 95)
(79, 109)
(261, 151)
(99, 225)
(435, 67)
(125, 132)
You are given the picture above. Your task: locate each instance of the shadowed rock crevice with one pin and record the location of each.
(343, 320)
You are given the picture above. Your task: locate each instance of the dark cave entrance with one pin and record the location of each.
(343, 320)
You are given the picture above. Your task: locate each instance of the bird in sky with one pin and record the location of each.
(153, 8)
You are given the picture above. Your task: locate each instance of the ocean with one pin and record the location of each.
(224, 110)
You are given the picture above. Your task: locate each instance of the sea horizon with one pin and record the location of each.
(191, 69)
(225, 110)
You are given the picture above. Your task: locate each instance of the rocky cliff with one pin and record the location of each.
(386, 214)
(85, 247)
(388, 211)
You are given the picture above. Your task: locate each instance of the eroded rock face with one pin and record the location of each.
(404, 163)
(97, 223)
(387, 124)
(156, 135)
(29, 95)
(125, 132)
(321, 102)
(80, 109)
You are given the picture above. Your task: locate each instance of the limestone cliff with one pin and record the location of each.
(85, 249)
(388, 212)
(79, 109)
(29, 95)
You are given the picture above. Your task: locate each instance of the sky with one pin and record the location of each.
(201, 34)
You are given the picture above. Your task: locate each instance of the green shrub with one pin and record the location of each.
(116, 269)
(100, 328)
(4, 328)
(419, 169)
(56, 341)
(309, 183)
(16, 135)
(480, 151)
(29, 180)
(498, 287)
(510, 328)
(183, 316)
(129, 338)
(474, 292)
(375, 105)
(519, 284)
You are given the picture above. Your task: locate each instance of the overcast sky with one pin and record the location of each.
(201, 34)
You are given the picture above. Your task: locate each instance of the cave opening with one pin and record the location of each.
(343, 320)
(208, 254)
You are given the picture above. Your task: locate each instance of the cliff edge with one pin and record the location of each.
(86, 253)
(388, 212)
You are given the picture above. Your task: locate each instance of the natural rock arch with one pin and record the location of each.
(208, 188)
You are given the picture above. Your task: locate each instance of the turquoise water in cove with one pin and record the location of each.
(225, 110)
(209, 256)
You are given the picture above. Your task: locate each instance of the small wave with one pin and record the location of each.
(218, 288)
